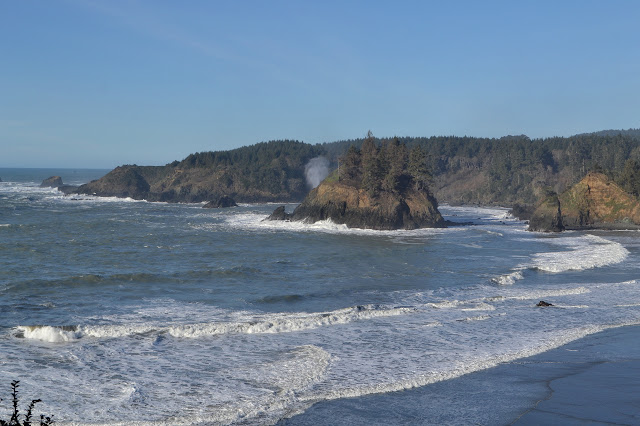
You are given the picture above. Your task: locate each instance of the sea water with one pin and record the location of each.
(115, 311)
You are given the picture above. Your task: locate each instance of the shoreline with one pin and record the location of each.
(589, 380)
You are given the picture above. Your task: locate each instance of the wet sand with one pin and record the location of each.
(594, 380)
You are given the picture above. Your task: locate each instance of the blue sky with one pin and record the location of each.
(87, 83)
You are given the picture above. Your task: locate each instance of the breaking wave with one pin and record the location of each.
(266, 324)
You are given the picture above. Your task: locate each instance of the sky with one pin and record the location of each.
(96, 84)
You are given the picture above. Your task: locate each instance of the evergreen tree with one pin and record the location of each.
(396, 163)
(371, 170)
(629, 179)
(350, 167)
(417, 168)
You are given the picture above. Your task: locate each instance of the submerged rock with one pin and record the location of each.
(51, 182)
(221, 203)
(68, 189)
(522, 212)
(542, 303)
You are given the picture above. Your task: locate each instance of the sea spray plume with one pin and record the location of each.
(316, 170)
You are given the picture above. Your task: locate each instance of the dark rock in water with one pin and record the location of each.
(279, 214)
(67, 189)
(543, 303)
(51, 182)
(547, 217)
(522, 212)
(221, 203)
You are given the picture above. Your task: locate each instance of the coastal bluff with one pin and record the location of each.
(596, 202)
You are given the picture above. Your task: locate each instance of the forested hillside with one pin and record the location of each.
(515, 169)
(464, 170)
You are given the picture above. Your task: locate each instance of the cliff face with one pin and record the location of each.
(345, 204)
(594, 202)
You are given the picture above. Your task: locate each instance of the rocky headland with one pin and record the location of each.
(265, 172)
(596, 202)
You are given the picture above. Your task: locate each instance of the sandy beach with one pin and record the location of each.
(594, 380)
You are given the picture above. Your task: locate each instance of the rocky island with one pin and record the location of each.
(382, 188)
(596, 202)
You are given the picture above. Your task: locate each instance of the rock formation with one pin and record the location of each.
(595, 202)
(279, 214)
(547, 217)
(382, 188)
(51, 182)
(221, 203)
(123, 181)
(344, 204)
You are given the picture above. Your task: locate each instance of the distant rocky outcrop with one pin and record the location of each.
(596, 202)
(123, 181)
(221, 203)
(51, 182)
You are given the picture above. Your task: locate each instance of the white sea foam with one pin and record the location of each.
(260, 324)
(476, 318)
(48, 333)
(255, 221)
(508, 279)
(286, 323)
(587, 252)
(477, 364)
(541, 294)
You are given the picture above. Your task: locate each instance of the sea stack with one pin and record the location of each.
(383, 188)
(51, 182)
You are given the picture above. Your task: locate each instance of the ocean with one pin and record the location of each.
(117, 311)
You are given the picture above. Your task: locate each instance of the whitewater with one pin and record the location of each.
(116, 311)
